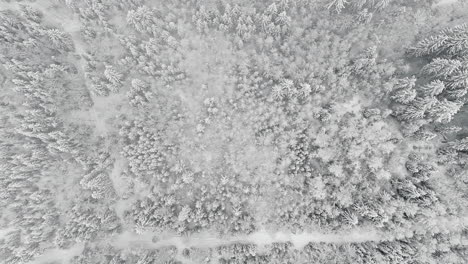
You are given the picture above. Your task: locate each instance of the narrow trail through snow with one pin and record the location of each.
(259, 238)
(206, 240)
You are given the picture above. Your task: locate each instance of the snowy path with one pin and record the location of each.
(205, 240)
(446, 2)
(60, 255)
(259, 238)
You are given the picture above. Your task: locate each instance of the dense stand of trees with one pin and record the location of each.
(231, 117)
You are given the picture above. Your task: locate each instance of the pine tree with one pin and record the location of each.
(411, 112)
(424, 103)
(272, 9)
(114, 78)
(447, 130)
(141, 18)
(425, 135)
(277, 92)
(406, 83)
(381, 4)
(139, 93)
(460, 145)
(283, 19)
(404, 95)
(443, 111)
(364, 16)
(441, 68)
(337, 5)
(59, 39)
(457, 44)
(430, 45)
(112, 75)
(458, 80)
(29, 13)
(358, 4)
(434, 88)
(452, 41)
(455, 94)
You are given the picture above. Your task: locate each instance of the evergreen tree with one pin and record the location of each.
(434, 88)
(443, 111)
(441, 68)
(411, 112)
(458, 80)
(452, 41)
(337, 5)
(404, 95)
(460, 145)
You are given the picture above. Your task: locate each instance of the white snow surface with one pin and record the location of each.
(149, 240)
(447, 2)
(259, 238)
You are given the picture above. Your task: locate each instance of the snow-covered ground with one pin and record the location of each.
(205, 240)
(447, 2)
(59, 255)
(260, 238)
(209, 62)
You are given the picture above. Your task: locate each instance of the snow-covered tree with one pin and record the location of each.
(404, 95)
(337, 5)
(453, 41)
(441, 67)
(139, 93)
(443, 111)
(113, 77)
(433, 88)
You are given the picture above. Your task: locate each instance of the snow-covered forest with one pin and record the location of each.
(233, 131)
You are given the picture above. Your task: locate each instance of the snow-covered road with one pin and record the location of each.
(128, 239)
(259, 238)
